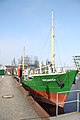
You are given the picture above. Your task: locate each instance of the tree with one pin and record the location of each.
(30, 61)
(13, 62)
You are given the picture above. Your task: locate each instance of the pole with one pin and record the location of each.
(52, 56)
(57, 104)
(77, 101)
(23, 58)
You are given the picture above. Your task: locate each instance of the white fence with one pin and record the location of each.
(69, 101)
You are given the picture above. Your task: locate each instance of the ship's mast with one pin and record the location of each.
(53, 55)
(23, 58)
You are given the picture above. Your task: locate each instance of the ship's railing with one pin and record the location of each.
(42, 69)
(48, 69)
(69, 101)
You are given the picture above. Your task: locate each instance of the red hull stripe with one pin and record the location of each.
(53, 96)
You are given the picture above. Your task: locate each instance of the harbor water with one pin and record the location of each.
(72, 107)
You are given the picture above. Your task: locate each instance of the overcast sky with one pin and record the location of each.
(28, 23)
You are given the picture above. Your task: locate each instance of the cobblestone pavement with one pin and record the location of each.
(17, 107)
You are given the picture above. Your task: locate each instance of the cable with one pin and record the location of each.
(44, 45)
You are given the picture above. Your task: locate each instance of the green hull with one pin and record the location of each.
(45, 87)
(2, 72)
(41, 82)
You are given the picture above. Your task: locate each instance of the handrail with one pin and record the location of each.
(70, 101)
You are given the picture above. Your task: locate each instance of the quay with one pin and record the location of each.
(14, 105)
